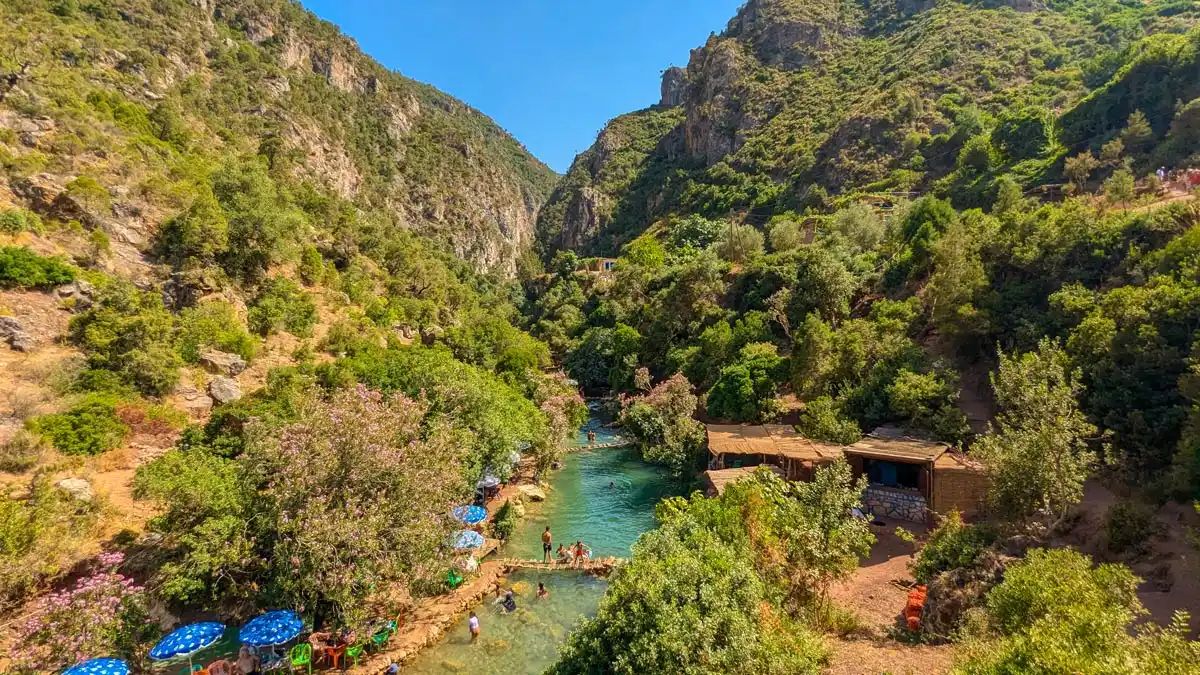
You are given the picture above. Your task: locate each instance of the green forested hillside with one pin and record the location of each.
(798, 107)
(144, 99)
(843, 210)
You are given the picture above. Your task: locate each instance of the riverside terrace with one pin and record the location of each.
(908, 478)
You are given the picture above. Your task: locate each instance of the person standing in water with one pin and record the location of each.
(546, 547)
(473, 623)
(591, 437)
(542, 592)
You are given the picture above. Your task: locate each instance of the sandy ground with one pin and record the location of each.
(877, 592)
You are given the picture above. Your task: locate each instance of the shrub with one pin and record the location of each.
(506, 520)
(88, 428)
(22, 268)
(38, 538)
(131, 333)
(953, 545)
(786, 236)
(21, 452)
(103, 613)
(213, 325)
(1129, 527)
(312, 266)
(282, 305)
(14, 221)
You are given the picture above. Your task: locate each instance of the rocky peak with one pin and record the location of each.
(792, 34)
(673, 82)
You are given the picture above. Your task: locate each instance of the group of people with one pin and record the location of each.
(1183, 179)
(508, 605)
(566, 554)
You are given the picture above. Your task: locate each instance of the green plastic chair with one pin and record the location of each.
(354, 652)
(453, 579)
(301, 655)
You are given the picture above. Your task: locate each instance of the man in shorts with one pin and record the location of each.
(546, 547)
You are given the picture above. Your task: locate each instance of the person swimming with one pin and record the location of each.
(542, 592)
(509, 604)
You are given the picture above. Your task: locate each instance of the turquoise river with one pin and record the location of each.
(604, 497)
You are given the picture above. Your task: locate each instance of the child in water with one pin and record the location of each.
(473, 623)
(542, 592)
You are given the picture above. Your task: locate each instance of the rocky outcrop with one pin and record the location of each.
(12, 332)
(224, 389)
(223, 363)
(673, 81)
(78, 294)
(79, 489)
(195, 402)
(716, 122)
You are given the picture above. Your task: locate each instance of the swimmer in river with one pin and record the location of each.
(473, 622)
(612, 484)
(542, 592)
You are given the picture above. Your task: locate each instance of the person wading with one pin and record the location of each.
(546, 547)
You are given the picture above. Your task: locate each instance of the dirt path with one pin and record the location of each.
(876, 593)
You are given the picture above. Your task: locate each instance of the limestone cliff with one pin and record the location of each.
(267, 76)
(798, 102)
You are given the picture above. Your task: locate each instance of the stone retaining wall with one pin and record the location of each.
(895, 504)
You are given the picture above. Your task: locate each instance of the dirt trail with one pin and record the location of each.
(876, 592)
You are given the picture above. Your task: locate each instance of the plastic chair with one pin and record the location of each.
(193, 669)
(222, 667)
(453, 579)
(355, 652)
(301, 655)
(334, 654)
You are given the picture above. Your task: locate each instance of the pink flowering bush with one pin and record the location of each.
(102, 614)
(356, 493)
(565, 412)
(661, 421)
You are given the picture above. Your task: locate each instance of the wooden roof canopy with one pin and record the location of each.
(769, 439)
(781, 440)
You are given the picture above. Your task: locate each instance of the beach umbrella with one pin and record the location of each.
(470, 514)
(187, 641)
(99, 667)
(464, 539)
(271, 629)
(487, 482)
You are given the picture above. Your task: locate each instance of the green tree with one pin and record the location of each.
(261, 221)
(786, 236)
(1138, 134)
(745, 391)
(823, 285)
(605, 357)
(740, 243)
(822, 419)
(1038, 458)
(282, 305)
(1078, 169)
(1120, 188)
(661, 421)
(859, 226)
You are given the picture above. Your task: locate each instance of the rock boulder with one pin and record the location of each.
(12, 332)
(224, 389)
(222, 363)
(533, 492)
(79, 489)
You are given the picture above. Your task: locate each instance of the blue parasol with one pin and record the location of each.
(187, 641)
(99, 667)
(470, 514)
(465, 539)
(271, 629)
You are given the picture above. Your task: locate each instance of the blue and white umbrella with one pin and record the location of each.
(487, 482)
(99, 667)
(272, 629)
(470, 515)
(187, 641)
(465, 539)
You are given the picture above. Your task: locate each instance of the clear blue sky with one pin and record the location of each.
(551, 72)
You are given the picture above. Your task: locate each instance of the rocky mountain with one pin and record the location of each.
(97, 89)
(801, 105)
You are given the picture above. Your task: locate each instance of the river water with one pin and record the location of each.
(580, 505)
